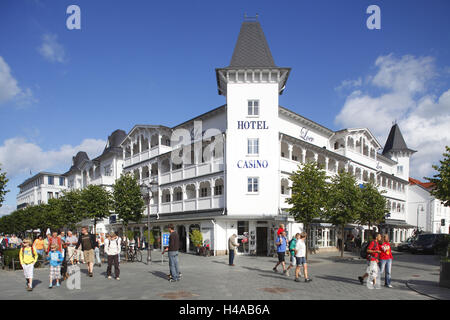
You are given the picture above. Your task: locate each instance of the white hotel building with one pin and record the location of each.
(242, 188)
(40, 188)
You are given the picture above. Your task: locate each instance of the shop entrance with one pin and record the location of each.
(182, 237)
(261, 241)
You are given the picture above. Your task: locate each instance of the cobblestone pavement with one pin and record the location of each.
(211, 278)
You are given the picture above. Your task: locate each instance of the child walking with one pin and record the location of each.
(28, 257)
(56, 259)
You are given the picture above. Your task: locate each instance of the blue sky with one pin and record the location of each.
(152, 62)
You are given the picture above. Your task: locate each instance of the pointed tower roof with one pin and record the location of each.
(251, 54)
(251, 48)
(395, 141)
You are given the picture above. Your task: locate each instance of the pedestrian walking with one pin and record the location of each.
(56, 258)
(292, 259)
(28, 257)
(38, 245)
(71, 242)
(386, 260)
(46, 242)
(98, 262)
(88, 243)
(55, 239)
(281, 244)
(373, 251)
(172, 249)
(113, 245)
(300, 257)
(232, 245)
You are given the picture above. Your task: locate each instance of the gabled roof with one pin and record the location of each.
(366, 130)
(251, 48)
(395, 141)
(425, 185)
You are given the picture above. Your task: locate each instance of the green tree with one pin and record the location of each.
(441, 179)
(70, 206)
(344, 202)
(95, 203)
(373, 205)
(309, 194)
(3, 181)
(127, 201)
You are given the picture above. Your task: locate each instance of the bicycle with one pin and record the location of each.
(134, 254)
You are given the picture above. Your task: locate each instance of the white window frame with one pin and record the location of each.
(251, 108)
(252, 147)
(252, 191)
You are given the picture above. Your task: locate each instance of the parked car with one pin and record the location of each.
(429, 243)
(405, 245)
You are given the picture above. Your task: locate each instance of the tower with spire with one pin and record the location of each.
(251, 85)
(396, 149)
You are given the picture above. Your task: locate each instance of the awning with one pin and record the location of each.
(397, 224)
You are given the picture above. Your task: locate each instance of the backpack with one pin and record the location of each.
(291, 248)
(363, 252)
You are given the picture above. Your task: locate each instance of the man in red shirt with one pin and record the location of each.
(373, 250)
(386, 260)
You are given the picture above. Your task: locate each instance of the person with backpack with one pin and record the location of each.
(372, 253)
(113, 245)
(88, 244)
(293, 261)
(28, 257)
(300, 257)
(281, 244)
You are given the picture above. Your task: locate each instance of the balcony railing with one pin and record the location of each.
(203, 203)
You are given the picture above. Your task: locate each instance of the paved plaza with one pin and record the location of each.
(251, 279)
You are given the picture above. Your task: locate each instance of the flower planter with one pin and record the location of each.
(444, 276)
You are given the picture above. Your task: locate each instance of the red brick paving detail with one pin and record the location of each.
(276, 290)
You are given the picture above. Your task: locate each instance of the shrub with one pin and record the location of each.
(196, 238)
(10, 254)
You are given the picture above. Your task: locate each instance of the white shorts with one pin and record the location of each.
(28, 270)
(293, 261)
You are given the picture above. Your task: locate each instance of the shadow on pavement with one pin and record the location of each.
(159, 274)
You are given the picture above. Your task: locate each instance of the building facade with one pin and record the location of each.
(425, 211)
(40, 188)
(237, 159)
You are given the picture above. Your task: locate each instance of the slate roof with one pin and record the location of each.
(395, 141)
(77, 160)
(251, 48)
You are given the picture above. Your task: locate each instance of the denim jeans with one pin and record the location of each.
(386, 265)
(97, 255)
(173, 264)
(231, 257)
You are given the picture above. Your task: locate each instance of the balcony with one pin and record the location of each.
(204, 203)
(191, 171)
(146, 154)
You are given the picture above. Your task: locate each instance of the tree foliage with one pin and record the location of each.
(441, 179)
(3, 182)
(373, 205)
(344, 202)
(127, 199)
(95, 203)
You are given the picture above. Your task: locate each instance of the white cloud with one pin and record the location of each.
(349, 84)
(403, 95)
(9, 88)
(51, 49)
(19, 156)
(6, 209)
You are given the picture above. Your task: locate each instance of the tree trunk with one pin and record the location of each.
(342, 241)
(307, 239)
(126, 243)
(95, 226)
(370, 232)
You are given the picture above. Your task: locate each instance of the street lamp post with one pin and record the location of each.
(146, 189)
(421, 210)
